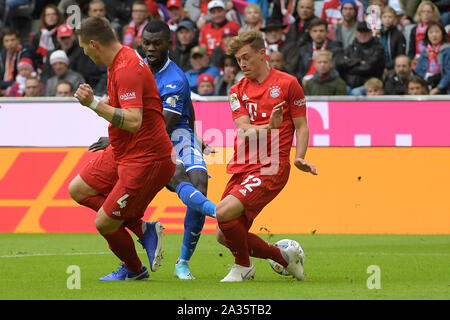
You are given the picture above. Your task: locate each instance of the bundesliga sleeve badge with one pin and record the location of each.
(234, 102)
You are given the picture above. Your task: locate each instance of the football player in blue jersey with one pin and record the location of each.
(190, 180)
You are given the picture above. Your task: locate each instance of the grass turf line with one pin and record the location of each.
(33, 266)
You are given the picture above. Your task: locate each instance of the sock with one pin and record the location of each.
(235, 234)
(194, 199)
(193, 225)
(137, 226)
(93, 202)
(122, 245)
(259, 248)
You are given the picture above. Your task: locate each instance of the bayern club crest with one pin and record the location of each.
(275, 92)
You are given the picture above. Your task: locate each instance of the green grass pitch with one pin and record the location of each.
(34, 266)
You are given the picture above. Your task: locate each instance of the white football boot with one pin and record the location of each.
(295, 258)
(240, 273)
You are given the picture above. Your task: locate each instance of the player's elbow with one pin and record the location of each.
(135, 125)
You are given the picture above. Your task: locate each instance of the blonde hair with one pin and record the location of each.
(324, 53)
(373, 83)
(252, 38)
(436, 15)
(255, 7)
(388, 9)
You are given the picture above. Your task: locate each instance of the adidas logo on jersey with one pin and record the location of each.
(116, 213)
(244, 97)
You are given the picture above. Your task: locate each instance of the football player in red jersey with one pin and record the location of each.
(269, 107)
(120, 183)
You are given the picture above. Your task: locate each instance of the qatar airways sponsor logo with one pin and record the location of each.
(128, 96)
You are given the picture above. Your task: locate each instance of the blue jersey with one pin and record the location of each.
(175, 94)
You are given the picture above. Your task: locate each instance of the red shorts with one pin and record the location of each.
(255, 190)
(128, 190)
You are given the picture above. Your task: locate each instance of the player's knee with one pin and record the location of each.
(75, 190)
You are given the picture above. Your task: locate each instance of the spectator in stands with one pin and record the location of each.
(417, 86)
(197, 11)
(374, 87)
(212, 32)
(326, 80)
(176, 14)
(346, 29)
(331, 11)
(60, 64)
(25, 70)
(276, 41)
(391, 38)
(299, 30)
(318, 31)
(10, 55)
(200, 64)
(119, 12)
(45, 40)
(218, 54)
(396, 81)
(277, 61)
(205, 85)
(444, 9)
(97, 9)
(64, 89)
(33, 87)
(186, 40)
(231, 75)
(433, 64)
(364, 59)
(426, 12)
(409, 7)
(132, 32)
(284, 10)
(253, 18)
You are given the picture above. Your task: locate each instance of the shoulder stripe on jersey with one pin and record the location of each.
(173, 111)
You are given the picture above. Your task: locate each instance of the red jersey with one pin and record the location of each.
(131, 85)
(256, 100)
(211, 37)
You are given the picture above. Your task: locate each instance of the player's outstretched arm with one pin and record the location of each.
(127, 119)
(244, 126)
(302, 138)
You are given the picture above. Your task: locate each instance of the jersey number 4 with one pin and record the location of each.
(121, 202)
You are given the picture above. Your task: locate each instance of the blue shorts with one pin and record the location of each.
(188, 150)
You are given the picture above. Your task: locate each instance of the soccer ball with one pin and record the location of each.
(284, 244)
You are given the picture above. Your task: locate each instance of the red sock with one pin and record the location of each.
(93, 202)
(121, 243)
(259, 248)
(135, 225)
(235, 234)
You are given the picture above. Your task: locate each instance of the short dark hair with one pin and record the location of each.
(318, 22)
(98, 29)
(158, 26)
(65, 82)
(7, 31)
(418, 79)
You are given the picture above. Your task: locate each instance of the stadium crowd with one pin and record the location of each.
(348, 47)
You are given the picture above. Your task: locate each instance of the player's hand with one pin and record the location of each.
(276, 118)
(207, 149)
(101, 144)
(84, 94)
(305, 166)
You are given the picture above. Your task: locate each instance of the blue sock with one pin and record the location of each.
(193, 225)
(194, 199)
